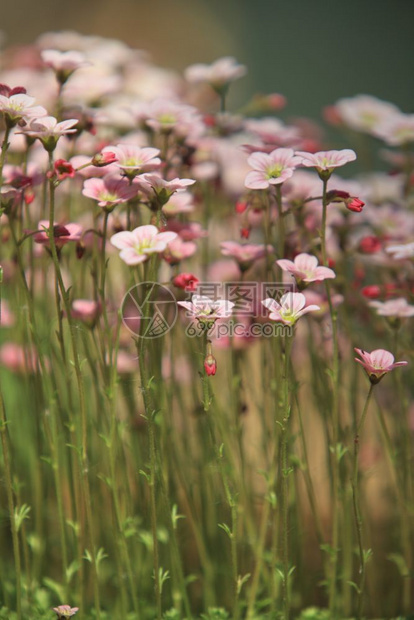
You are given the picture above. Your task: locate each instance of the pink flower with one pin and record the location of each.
(397, 129)
(219, 74)
(245, 255)
(401, 251)
(64, 63)
(48, 130)
(290, 308)
(19, 107)
(133, 159)
(62, 233)
(378, 363)
(354, 204)
(85, 310)
(137, 246)
(364, 112)
(305, 269)
(178, 250)
(181, 202)
(207, 310)
(109, 191)
(271, 169)
(326, 161)
(65, 611)
(152, 184)
(395, 308)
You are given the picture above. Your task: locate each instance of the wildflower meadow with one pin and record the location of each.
(206, 406)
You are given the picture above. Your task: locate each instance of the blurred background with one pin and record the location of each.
(313, 52)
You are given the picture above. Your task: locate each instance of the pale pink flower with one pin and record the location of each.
(326, 160)
(85, 310)
(272, 131)
(109, 191)
(401, 251)
(181, 202)
(219, 74)
(64, 63)
(169, 116)
(62, 233)
(178, 250)
(291, 307)
(204, 309)
(134, 159)
(395, 308)
(17, 359)
(245, 255)
(137, 246)
(20, 107)
(188, 231)
(154, 184)
(271, 169)
(377, 363)
(364, 112)
(397, 129)
(65, 611)
(305, 268)
(87, 172)
(48, 130)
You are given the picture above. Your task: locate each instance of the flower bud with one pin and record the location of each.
(210, 365)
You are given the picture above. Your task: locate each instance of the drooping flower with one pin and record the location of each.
(271, 169)
(245, 255)
(291, 307)
(109, 191)
(62, 233)
(219, 74)
(207, 310)
(377, 363)
(305, 269)
(137, 246)
(326, 161)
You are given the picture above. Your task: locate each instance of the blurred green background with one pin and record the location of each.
(312, 51)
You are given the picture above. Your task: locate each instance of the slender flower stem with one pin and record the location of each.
(10, 502)
(285, 477)
(280, 222)
(3, 152)
(357, 509)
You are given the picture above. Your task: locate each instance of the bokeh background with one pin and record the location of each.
(312, 51)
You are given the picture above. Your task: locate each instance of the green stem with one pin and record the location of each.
(3, 152)
(357, 509)
(285, 477)
(10, 502)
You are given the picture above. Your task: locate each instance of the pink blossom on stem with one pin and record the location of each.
(179, 250)
(64, 63)
(326, 161)
(305, 269)
(109, 191)
(291, 307)
(154, 184)
(245, 255)
(219, 74)
(394, 308)
(137, 246)
(48, 130)
(186, 281)
(377, 363)
(65, 611)
(19, 107)
(271, 169)
(208, 310)
(133, 159)
(62, 233)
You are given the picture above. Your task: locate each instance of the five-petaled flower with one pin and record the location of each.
(245, 255)
(137, 246)
(219, 74)
(133, 159)
(19, 107)
(305, 269)
(291, 307)
(207, 310)
(326, 161)
(48, 130)
(271, 169)
(65, 611)
(377, 363)
(109, 191)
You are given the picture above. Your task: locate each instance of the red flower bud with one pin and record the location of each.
(104, 159)
(245, 233)
(186, 281)
(63, 169)
(372, 291)
(210, 365)
(370, 244)
(354, 204)
(241, 206)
